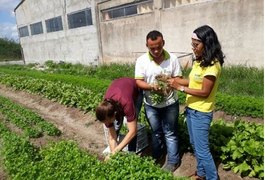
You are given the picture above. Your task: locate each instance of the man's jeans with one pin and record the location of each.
(164, 125)
(198, 126)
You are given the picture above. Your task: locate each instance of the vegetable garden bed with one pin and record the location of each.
(80, 127)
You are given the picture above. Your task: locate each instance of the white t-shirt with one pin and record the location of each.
(147, 69)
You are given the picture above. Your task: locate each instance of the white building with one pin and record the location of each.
(58, 30)
(97, 31)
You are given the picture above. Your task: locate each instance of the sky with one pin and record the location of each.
(8, 27)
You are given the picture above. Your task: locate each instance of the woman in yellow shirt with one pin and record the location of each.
(201, 88)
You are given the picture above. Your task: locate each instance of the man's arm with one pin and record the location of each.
(143, 85)
(181, 81)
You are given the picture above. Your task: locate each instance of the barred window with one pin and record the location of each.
(54, 24)
(139, 7)
(79, 19)
(36, 28)
(23, 31)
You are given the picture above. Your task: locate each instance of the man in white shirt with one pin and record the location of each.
(162, 113)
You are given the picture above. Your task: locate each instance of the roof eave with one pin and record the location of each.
(18, 5)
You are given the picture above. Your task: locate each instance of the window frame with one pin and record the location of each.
(54, 24)
(35, 29)
(21, 31)
(87, 19)
(107, 14)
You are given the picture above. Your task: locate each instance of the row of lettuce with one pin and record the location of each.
(63, 159)
(85, 93)
(30, 123)
(241, 152)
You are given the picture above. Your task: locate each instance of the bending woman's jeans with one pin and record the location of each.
(198, 126)
(164, 125)
(117, 125)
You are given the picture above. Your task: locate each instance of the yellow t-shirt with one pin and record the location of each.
(195, 82)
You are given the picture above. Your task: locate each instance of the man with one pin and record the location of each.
(122, 99)
(162, 113)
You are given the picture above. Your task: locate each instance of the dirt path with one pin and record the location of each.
(74, 124)
(89, 134)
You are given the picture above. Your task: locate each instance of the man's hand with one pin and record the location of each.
(156, 87)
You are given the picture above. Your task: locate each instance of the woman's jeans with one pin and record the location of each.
(164, 125)
(198, 126)
(117, 125)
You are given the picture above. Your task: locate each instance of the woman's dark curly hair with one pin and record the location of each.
(212, 47)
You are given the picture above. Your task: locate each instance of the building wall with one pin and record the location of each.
(238, 24)
(78, 45)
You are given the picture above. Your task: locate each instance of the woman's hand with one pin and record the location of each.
(173, 83)
(107, 157)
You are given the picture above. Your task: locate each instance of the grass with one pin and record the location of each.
(235, 80)
(110, 72)
(242, 81)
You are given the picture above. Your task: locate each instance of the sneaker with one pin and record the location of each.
(171, 167)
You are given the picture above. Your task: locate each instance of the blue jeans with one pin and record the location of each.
(198, 126)
(117, 125)
(164, 125)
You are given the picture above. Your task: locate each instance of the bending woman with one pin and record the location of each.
(122, 99)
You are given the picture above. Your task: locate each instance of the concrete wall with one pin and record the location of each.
(78, 45)
(238, 24)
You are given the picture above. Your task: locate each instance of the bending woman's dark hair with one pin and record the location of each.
(107, 109)
(212, 47)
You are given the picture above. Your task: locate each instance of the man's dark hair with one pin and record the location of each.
(153, 35)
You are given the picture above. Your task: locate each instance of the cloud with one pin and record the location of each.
(9, 31)
(8, 5)
(8, 28)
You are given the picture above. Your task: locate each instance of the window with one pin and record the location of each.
(143, 6)
(175, 3)
(79, 19)
(122, 11)
(117, 13)
(36, 28)
(54, 24)
(130, 10)
(23, 31)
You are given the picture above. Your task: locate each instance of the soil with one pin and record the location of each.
(88, 133)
